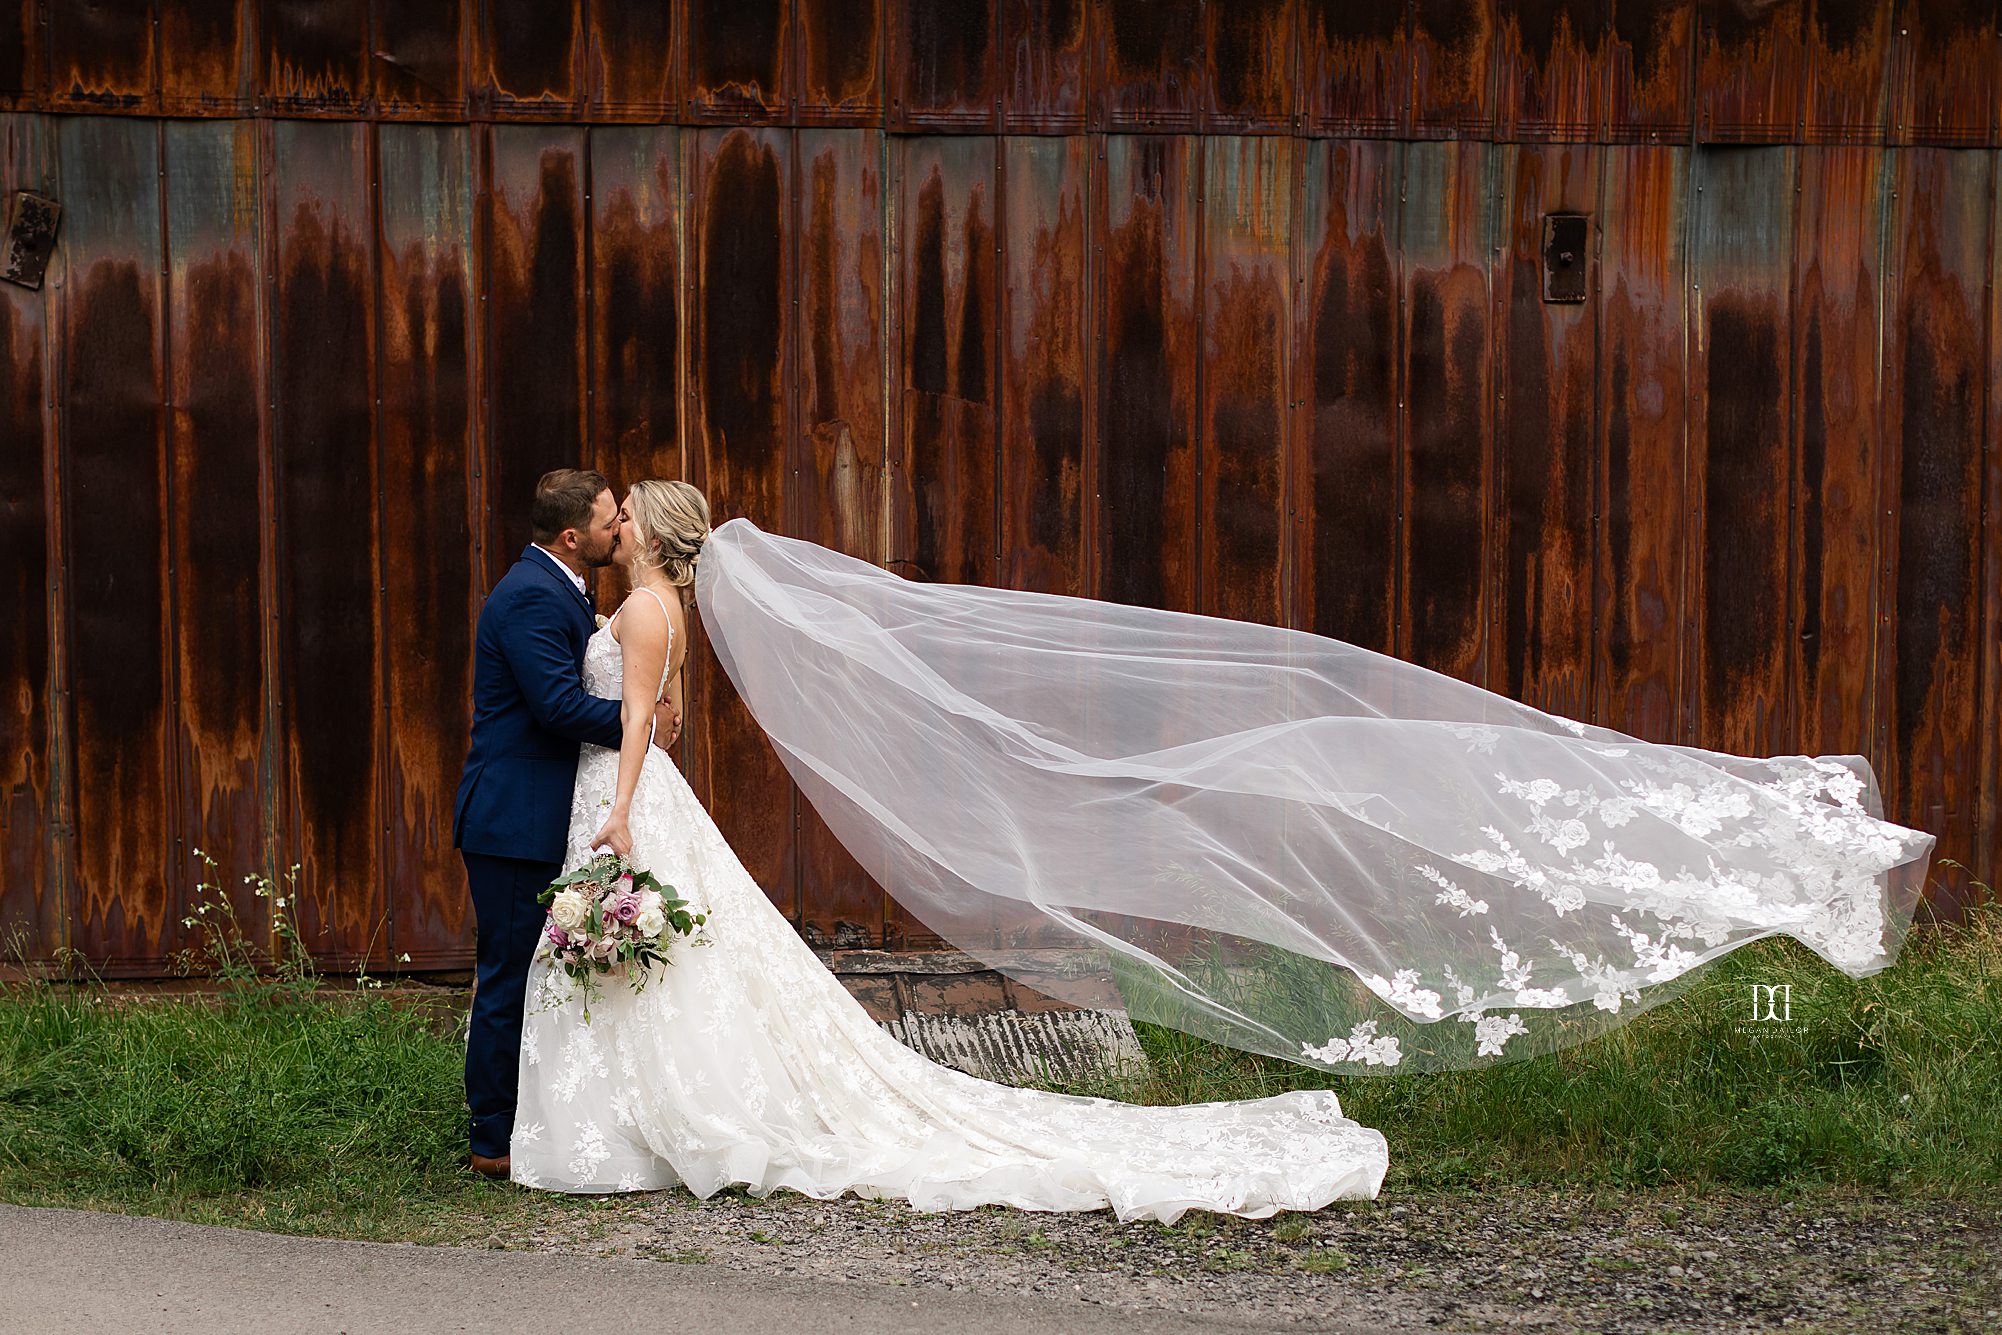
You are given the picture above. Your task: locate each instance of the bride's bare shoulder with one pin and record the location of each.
(642, 619)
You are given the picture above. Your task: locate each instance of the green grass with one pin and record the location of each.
(304, 1110)
(1885, 1083)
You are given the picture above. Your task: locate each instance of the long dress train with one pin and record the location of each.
(745, 1061)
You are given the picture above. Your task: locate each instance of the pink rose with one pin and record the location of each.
(557, 936)
(626, 908)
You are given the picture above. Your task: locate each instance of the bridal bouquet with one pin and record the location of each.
(608, 917)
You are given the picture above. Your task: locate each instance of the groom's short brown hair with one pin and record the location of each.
(563, 499)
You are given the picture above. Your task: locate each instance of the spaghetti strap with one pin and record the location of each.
(663, 611)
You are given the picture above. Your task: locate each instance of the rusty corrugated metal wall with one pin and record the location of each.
(1228, 307)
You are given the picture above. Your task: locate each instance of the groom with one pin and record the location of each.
(512, 818)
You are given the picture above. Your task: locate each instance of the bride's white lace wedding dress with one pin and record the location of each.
(746, 1061)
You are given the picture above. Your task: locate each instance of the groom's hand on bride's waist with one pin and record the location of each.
(666, 725)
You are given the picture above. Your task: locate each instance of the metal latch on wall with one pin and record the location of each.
(1564, 269)
(31, 238)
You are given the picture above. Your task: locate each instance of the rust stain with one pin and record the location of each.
(532, 49)
(205, 59)
(316, 59)
(1550, 76)
(943, 56)
(1247, 316)
(841, 73)
(1042, 401)
(635, 289)
(1642, 377)
(1749, 62)
(1146, 340)
(739, 360)
(1448, 413)
(417, 67)
(1148, 71)
(737, 63)
(1252, 81)
(325, 484)
(1043, 57)
(1545, 439)
(1944, 85)
(431, 587)
(29, 902)
(1848, 51)
(535, 412)
(1348, 372)
(1648, 94)
(1356, 67)
(1452, 46)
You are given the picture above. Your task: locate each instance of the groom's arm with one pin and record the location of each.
(539, 654)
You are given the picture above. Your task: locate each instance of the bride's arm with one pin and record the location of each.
(642, 636)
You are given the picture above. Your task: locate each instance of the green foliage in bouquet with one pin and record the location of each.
(609, 917)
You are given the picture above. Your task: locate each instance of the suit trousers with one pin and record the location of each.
(510, 923)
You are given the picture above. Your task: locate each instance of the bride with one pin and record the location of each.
(744, 1061)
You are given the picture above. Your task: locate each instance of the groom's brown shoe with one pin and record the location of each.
(488, 1167)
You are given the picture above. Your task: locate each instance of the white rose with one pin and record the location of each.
(569, 910)
(651, 921)
(649, 901)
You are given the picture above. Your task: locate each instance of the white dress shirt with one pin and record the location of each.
(570, 574)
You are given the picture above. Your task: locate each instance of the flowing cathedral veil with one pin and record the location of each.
(1196, 819)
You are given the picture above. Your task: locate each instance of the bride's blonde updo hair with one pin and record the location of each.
(672, 519)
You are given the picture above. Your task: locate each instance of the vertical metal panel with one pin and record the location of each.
(325, 485)
(1146, 335)
(837, 468)
(1345, 369)
(534, 50)
(946, 358)
(419, 64)
(1550, 69)
(1846, 58)
(1944, 85)
(316, 56)
(1147, 70)
(21, 50)
(840, 62)
(1355, 67)
(1934, 406)
(739, 59)
(1043, 424)
(635, 400)
(944, 66)
(432, 584)
(217, 424)
(1044, 51)
(1642, 614)
(101, 56)
(946, 377)
(1247, 319)
(207, 63)
(115, 551)
(1741, 448)
(1254, 65)
(1838, 542)
(1547, 451)
(740, 366)
(633, 59)
(30, 895)
(1452, 68)
(1650, 45)
(1447, 233)
(1748, 71)
(534, 323)
(1987, 849)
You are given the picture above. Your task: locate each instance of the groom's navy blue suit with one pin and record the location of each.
(530, 711)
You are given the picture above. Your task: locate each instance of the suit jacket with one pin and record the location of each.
(530, 711)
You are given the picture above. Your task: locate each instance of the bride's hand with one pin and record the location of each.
(615, 834)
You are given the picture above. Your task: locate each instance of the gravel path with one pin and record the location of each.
(1517, 1260)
